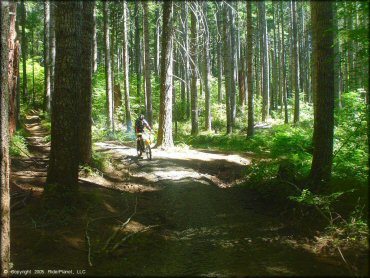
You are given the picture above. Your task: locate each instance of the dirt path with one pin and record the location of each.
(189, 218)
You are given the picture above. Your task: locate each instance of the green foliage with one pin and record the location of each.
(350, 148)
(100, 161)
(34, 88)
(18, 145)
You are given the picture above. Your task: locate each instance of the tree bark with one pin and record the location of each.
(165, 138)
(95, 47)
(147, 70)
(24, 52)
(233, 65)
(4, 141)
(126, 69)
(13, 69)
(85, 102)
(158, 33)
(295, 85)
(52, 51)
(108, 68)
(63, 163)
(265, 63)
(322, 36)
(250, 130)
(46, 104)
(206, 74)
(194, 92)
(219, 56)
(227, 67)
(137, 50)
(285, 86)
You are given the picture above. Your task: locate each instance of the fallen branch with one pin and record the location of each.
(88, 243)
(118, 244)
(347, 265)
(120, 228)
(315, 206)
(26, 154)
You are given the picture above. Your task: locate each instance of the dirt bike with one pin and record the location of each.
(144, 141)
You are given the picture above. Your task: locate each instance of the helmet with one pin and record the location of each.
(141, 117)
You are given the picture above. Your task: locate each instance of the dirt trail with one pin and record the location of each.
(200, 222)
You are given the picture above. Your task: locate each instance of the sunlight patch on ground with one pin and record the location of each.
(122, 186)
(178, 153)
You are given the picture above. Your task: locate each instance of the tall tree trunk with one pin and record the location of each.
(187, 66)
(46, 104)
(95, 47)
(227, 66)
(241, 78)
(219, 55)
(165, 138)
(294, 58)
(147, 71)
(63, 163)
(108, 68)
(285, 86)
(185, 59)
(322, 36)
(250, 131)
(206, 73)
(137, 50)
(158, 33)
(33, 68)
(337, 58)
(194, 92)
(275, 74)
(24, 52)
(4, 142)
(85, 101)
(265, 63)
(13, 69)
(279, 62)
(52, 51)
(233, 65)
(126, 69)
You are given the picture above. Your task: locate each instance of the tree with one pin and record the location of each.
(95, 47)
(206, 73)
(147, 71)
(52, 50)
(323, 53)
(193, 55)
(13, 68)
(264, 61)
(284, 66)
(47, 97)
(126, 69)
(294, 59)
(87, 44)
(108, 68)
(63, 163)
(24, 51)
(227, 66)
(165, 114)
(250, 130)
(137, 49)
(4, 142)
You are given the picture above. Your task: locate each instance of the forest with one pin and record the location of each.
(254, 160)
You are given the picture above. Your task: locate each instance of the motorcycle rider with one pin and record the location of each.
(140, 124)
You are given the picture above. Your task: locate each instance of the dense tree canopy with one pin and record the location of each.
(285, 83)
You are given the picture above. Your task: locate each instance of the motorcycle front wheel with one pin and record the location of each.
(148, 151)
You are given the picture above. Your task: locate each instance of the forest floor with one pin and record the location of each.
(183, 213)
